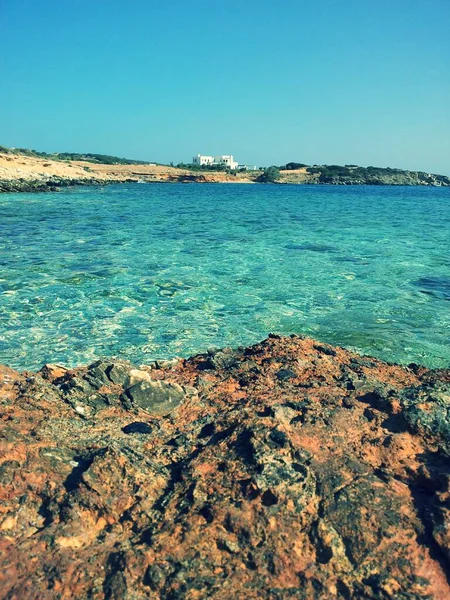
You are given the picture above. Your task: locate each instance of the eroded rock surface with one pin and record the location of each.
(289, 469)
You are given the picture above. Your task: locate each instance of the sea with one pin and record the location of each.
(150, 271)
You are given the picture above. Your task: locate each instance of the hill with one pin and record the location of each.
(354, 175)
(29, 170)
(103, 159)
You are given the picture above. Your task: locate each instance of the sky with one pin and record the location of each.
(318, 82)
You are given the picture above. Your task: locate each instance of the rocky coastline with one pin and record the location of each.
(55, 184)
(24, 173)
(288, 469)
(51, 184)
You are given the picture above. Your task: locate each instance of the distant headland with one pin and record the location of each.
(23, 170)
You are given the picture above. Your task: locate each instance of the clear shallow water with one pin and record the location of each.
(147, 271)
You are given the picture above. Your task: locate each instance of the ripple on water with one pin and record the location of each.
(142, 272)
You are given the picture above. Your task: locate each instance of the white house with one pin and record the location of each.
(226, 160)
(203, 160)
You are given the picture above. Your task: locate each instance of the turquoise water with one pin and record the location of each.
(147, 271)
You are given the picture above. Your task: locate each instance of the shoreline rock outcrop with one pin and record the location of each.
(32, 173)
(289, 469)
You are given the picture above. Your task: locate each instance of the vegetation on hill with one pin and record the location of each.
(104, 159)
(291, 173)
(352, 174)
(356, 175)
(269, 175)
(192, 167)
(292, 166)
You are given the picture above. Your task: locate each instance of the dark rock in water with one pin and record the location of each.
(289, 469)
(435, 286)
(311, 247)
(352, 259)
(137, 427)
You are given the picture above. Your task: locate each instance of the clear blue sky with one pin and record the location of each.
(323, 81)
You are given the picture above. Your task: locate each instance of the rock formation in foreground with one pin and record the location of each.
(289, 469)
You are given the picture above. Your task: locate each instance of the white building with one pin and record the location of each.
(203, 160)
(226, 160)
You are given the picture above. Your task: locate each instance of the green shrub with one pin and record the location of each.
(293, 166)
(269, 175)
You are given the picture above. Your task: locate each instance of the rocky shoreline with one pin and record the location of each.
(52, 184)
(24, 173)
(55, 184)
(289, 469)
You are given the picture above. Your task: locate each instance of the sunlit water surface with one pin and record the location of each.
(147, 271)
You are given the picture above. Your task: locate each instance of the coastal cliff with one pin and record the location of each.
(289, 469)
(21, 172)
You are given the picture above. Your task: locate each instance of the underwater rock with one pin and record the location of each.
(434, 286)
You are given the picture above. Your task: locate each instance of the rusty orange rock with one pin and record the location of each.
(289, 469)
